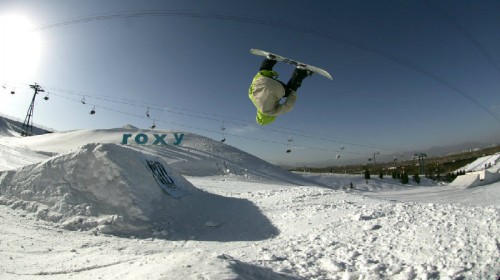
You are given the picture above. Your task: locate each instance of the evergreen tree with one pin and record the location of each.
(416, 178)
(404, 178)
(367, 174)
(381, 175)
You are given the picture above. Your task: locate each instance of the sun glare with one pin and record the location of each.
(20, 49)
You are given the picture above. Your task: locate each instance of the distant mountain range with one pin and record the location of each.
(452, 149)
(384, 158)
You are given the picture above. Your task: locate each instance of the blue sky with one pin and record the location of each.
(408, 75)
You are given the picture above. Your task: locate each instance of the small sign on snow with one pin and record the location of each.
(163, 179)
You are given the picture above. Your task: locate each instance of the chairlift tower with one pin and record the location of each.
(28, 121)
(375, 159)
(421, 161)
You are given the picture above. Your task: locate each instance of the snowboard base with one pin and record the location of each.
(296, 63)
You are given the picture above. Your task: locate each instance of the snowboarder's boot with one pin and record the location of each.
(298, 75)
(268, 63)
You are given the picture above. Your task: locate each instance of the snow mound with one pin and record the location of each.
(194, 155)
(108, 188)
(201, 156)
(130, 127)
(466, 181)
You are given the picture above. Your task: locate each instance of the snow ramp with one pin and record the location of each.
(113, 189)
(195, 155)
(475, 179)
(466, 181)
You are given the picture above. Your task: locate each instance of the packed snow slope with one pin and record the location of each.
(108, 188)
(194, 156)
(119, 195)
(9, 127)
(482, 163)
(83, 205)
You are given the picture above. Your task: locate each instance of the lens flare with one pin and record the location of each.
(20, 49)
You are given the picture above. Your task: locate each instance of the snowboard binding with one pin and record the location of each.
(298, 75)
(268, 62)
(270, 57)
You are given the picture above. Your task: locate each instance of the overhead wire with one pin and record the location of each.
(199, 128)
(448, 17)
(313, 31)
(221, 118)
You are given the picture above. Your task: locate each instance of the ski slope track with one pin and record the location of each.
(81, 205)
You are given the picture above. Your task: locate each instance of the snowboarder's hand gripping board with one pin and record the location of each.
(278, 57)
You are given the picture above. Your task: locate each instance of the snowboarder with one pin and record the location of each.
(266, 92)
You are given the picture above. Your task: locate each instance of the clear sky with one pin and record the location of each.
(408, 75)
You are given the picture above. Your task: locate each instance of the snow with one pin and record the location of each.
(78, 204)
(483, 171)
(483, 163)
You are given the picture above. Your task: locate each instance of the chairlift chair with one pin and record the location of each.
(93, 111)
(223, 128)
(290, 140)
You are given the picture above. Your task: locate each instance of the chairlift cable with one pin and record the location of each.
(309, 135)
(310, 30)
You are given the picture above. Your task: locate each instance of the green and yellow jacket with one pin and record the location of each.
(266, 93)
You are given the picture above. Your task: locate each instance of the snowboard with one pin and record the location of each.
(296, 63)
